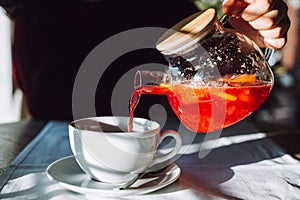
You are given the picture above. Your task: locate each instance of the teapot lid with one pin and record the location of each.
(187, 32)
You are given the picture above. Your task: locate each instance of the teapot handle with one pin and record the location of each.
(268, 54)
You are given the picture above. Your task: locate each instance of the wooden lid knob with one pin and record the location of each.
(187, 32)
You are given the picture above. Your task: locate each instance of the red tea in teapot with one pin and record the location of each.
(207, 108)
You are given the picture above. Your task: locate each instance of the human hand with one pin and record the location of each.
(264, 21)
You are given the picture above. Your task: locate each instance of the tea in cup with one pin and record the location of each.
(107, 152)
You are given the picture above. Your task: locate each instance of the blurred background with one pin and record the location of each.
(282, 107)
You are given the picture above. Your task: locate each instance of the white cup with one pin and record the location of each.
(107, 152)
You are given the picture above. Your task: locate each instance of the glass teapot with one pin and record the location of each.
(216, 76)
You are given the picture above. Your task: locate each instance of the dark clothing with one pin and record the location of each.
(52, 39)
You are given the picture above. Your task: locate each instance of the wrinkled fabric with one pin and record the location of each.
(239, 167)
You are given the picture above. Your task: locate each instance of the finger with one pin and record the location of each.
(266, 21)
(234, 7)
(272, 33)
(274, 38)
(257, 9)
(271, 18)
(240, 25)
(277, 43)
(277, 31)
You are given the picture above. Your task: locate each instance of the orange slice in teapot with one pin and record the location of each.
(244, 78)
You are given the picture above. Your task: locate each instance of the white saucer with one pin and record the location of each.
(68, 174)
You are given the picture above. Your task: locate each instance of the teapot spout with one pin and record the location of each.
(146, 77)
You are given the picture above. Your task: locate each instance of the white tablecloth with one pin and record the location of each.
(248, 166)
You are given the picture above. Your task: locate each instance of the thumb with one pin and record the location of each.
(234, 7)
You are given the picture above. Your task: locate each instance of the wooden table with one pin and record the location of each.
(14, 137)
